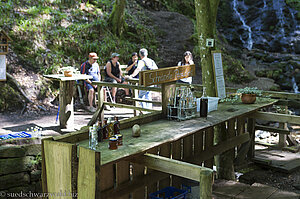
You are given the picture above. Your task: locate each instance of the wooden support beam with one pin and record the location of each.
(130, 107)
(156, 89)
(272, 129)
(141, 100)
(171, 166)
(276, 117)
(183, 169)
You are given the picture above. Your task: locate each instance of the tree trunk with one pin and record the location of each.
(117, 17)
(205, 29)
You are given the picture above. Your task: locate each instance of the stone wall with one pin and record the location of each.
(20, 168)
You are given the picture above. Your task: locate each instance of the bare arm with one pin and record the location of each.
(130, 67)
(121, 74)
(137, 70)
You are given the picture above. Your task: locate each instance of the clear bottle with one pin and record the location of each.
(204, 104)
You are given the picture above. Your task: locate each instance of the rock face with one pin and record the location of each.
(172, 42)
(20, 168)
(270, 25)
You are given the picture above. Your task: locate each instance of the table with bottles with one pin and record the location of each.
(159, 132)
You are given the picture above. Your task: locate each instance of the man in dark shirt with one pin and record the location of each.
(90, 67)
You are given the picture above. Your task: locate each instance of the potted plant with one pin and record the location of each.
(248, 94)
(68, 71)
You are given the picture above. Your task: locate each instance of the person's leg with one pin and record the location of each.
(148, 97)
(126, 89)
(114, 92)
(91, 97)
(142, 93)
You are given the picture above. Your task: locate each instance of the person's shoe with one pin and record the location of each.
(106, 107)
(91, 109)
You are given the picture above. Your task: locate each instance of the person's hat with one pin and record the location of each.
(93, 56)
(115, 55)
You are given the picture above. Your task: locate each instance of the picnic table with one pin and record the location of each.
(66, 108)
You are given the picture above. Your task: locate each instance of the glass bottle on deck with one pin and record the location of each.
(116, 126)
(110, 128)
(204, 104)
(100, 131)
(105, 129)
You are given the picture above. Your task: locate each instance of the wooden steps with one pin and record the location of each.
(277, 159)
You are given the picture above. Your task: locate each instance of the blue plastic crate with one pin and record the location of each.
(170, 193)
(22, 134)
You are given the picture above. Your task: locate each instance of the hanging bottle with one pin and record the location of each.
(204, 104)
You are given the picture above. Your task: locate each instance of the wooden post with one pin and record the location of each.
(282, 137)
(89, 174)
(66, 111)
(206, 180)
(251, 130)
(166, 92)
(209, 141)
(228, 157)
(101, 100)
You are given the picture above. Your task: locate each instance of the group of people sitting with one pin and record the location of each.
(113, 74)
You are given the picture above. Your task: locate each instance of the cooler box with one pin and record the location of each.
(212, 104)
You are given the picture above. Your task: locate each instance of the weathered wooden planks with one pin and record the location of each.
(58, 160)
(122, 176)
(162, 131)
(89, 174)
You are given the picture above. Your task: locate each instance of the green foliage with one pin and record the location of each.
(234, 70)
(249, 90)
(295, 4)
(37, 160)
(185, 7)
(9, 98)
(52, 34)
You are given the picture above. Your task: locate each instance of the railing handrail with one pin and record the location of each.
(101, 83)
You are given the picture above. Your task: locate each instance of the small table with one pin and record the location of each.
(66, 111)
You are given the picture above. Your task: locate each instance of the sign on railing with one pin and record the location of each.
(218, 74)
(164, 75)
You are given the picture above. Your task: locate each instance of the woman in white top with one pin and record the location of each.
(186, 60)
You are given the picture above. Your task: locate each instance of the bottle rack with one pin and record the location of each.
(182, 104)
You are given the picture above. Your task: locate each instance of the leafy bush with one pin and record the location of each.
(249, 90)
(51, 34)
